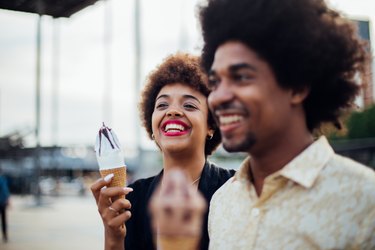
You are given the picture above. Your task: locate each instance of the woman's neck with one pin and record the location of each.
(191, 164)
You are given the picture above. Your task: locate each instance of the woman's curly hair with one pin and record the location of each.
(178, 68)
(306, 44)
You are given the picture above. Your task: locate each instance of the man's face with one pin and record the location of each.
(250, 107)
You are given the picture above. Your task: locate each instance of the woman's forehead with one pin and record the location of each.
(180, 90)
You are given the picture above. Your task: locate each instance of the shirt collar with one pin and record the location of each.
(304, 169)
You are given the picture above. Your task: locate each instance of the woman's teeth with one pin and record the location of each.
(174, 128)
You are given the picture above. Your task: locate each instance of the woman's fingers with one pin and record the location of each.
(115, 215)
(120, 205)
(106, 195)
(113, 211)
(119, 219)
(99, 184)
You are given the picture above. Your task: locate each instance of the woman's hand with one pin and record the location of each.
(177, 210)
(114, 212)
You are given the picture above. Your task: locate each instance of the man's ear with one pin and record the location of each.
(299, 95)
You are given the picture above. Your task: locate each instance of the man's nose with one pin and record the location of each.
(222, 94)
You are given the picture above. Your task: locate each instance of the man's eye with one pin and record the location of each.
(242, 77)
(212, 82)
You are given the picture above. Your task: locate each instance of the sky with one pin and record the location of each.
(96, 50)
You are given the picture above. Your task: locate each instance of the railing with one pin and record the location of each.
(361, 150)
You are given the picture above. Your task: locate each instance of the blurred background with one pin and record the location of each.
(67, 66)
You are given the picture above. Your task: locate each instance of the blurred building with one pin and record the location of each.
(367, 97)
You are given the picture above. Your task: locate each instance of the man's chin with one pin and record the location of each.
(233, 146)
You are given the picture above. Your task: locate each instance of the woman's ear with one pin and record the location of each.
(210, 134)
(299, 95)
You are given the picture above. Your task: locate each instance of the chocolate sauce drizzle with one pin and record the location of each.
(104, 131)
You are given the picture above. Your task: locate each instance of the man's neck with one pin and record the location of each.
(263, 165)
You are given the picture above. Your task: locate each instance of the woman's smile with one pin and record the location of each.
(175, 128)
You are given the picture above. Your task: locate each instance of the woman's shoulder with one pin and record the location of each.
(143, 183)
(215, 175)
(215, 170)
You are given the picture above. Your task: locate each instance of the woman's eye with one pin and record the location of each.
(190, 106)
(161, 105)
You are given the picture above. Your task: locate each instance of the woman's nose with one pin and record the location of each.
(174, 112)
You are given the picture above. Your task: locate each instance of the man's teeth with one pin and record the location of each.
(174, 128)
(225, 120)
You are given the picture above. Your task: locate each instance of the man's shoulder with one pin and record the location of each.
(229, 201)
(349, 180)
(346, 167)
(231, 188)
(219, 201)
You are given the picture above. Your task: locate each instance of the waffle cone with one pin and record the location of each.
(119, 178)
(181, 243)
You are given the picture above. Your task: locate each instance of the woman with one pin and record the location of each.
(175, 114)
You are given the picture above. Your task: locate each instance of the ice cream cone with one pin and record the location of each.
(119, 178)
(110, 157)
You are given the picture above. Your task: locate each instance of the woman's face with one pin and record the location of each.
(179, 120)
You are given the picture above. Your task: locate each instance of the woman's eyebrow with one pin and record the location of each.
(162, 96)
(191, 97)
(184, 96)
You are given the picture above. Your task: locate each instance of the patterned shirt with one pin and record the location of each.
(319, 200)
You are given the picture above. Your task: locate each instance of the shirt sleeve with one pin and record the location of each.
(211, 215)
(367, 237)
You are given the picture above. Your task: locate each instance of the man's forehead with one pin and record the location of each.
(230, 54)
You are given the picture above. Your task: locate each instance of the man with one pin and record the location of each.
(278, 70)
(4, 200)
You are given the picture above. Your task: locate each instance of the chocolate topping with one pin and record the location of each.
(104, 130)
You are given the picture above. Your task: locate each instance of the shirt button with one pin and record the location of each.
(255, 212)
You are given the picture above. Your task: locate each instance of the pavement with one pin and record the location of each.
(60, 223)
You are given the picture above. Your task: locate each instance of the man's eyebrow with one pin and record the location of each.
(236, 67)
(184, 96)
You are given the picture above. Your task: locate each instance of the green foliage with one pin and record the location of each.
(331, 132)
(362, 124)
